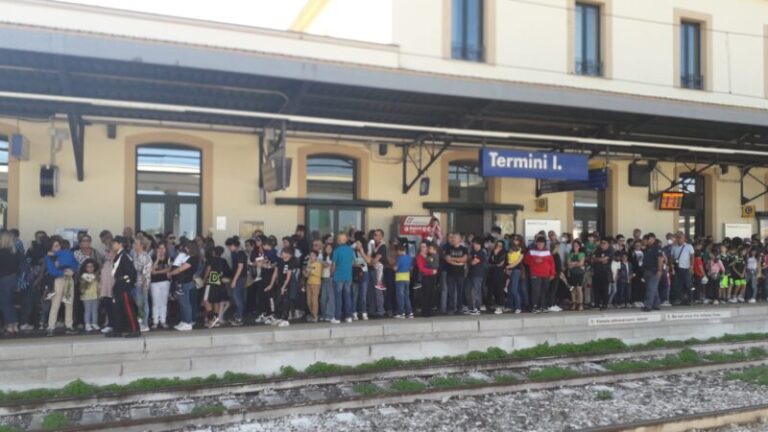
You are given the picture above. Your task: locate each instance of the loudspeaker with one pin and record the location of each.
(19, 147)
(49, 175)
(640, 175)
(383, 148)
(424, 186)
(111, 131)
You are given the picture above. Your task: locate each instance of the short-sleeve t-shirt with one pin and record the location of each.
(187, 275)
(284, 267)
(456, 252)
(343, 257)
(477, 270)
(651, 258)
(219, 268)
(404, 265)
(682, 255)
(239, 257)
(603, 267)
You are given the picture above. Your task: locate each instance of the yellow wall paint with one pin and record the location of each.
(98, 202)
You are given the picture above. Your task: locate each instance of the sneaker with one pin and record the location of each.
(261, 319)
(482, 308)
(106, 330)
(184, 327)
(410, 316)
(666, 304)
(365, 316)
(497, 311)
(751, 301)
(740, 299)
(71, 331)
(88, 328)
(144, 328)
(335, 321)
(283, 323)
(155, 326)
(26, 327)
(517, 311)
(269, 320)
(354, 317)
(474, 312)
(49, 332)
(554, 309)
(715, 302)
(732, 300)
(215, 323)
(705, 301)
(237, 322)
(349, 320)
(398, 316)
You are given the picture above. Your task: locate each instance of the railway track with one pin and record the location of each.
(281, 384)
(340, 392)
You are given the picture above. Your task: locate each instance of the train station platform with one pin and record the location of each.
(53, 362)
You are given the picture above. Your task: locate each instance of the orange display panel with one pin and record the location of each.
(671, 201)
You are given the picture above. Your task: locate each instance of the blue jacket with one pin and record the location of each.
(65, 259)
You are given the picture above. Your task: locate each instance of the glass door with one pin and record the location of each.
(160, 214)
(324, 220)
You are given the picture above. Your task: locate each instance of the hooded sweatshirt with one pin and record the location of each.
(541, 263)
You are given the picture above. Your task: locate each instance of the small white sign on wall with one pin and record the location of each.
(737, 230)
(533, 226)
(221, 223)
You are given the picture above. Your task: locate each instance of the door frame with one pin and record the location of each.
(170, 202)
(334, 215)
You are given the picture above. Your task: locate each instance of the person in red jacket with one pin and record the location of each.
(542, 270)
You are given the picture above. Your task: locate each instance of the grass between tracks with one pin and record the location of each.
(754, 375)
(80, 388)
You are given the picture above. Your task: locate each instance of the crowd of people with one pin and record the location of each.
(134, 283)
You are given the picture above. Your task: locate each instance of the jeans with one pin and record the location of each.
(327, 297)
(159, 291)
(8, 286)
(752, 278)
(538, 291)
(474, 287)
(450, 296)
(622, 293)
(612, 290)
(185, 302)
(342, 297)
(141, 298)
(238, 297)
(682, 285)
(514, 294)
(360, 294)
(652, 300)
(403, 298)
(91, 312)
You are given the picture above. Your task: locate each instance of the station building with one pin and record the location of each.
(166, 124)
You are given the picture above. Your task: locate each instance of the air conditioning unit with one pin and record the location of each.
(19, 147)
(542, 205)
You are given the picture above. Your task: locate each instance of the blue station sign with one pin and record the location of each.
(553, 166)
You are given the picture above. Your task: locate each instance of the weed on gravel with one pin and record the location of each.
(552, 373)
(754, 375)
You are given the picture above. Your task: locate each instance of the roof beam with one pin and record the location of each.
(309, 13)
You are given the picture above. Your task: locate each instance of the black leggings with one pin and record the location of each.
(539, 289)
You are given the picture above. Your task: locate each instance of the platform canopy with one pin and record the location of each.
(86, 66)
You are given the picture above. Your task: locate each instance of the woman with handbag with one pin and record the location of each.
(576, 275)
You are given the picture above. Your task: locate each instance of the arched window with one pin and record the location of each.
(465, 184)
(3, 181)
(168, 189)
(332, 178)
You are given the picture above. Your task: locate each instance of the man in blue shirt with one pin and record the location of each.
(343, 258)
(653, 263)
